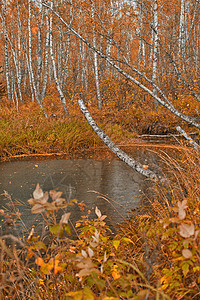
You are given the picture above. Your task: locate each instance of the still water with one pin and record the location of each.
(110, 185)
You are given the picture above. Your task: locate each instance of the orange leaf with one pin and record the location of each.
(39, 261)
(115, 272)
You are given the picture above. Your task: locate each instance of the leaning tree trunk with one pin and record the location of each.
(115, 149)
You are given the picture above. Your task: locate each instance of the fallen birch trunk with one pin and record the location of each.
(116, 150)
(191, 141)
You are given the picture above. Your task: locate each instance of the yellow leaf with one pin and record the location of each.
(41, 281)
(110, 298)
(116, 243)
(115, 272)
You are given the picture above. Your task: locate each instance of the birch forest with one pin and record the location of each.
(101, 51)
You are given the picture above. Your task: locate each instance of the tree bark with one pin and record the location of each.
(6, 52)
(30, 60)
(115, 149)
(96, 70)
(62, 97)
(155, 50)
(46, 61)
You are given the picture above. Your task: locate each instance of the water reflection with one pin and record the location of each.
(109, 184)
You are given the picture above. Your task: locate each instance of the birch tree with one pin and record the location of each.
(30, 60)
(161, 98)
(24, 48)
(181, 41)
(62, 97)
(7, 72)
(46, 60)
(155, 49)
(96, 71)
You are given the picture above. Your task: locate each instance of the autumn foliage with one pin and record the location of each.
(43, 56)
(154, 255)
(118, 56)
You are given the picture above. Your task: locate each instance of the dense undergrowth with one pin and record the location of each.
(155, 255)
(27, 131)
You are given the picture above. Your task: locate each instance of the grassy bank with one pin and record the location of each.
(28, 132)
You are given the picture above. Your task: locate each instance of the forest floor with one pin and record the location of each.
(27, 133)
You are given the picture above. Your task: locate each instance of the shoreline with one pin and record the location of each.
(92, 152)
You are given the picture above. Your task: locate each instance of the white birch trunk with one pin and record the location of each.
(6, 52)
(96, 71)
(14, 56)
(19, 61)
(18, 77)
(62, 97)
(59, 57)
(7, 65)
(25, 51)
(46, 61)
(30, 60)
(39, 58)
(181, 41)
(115, 149)
(155, 49)
(141, 50)
(108, 51)
(66, 63)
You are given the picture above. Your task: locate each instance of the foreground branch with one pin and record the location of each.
(116, 150)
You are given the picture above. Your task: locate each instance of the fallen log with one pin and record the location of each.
(115, 149)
